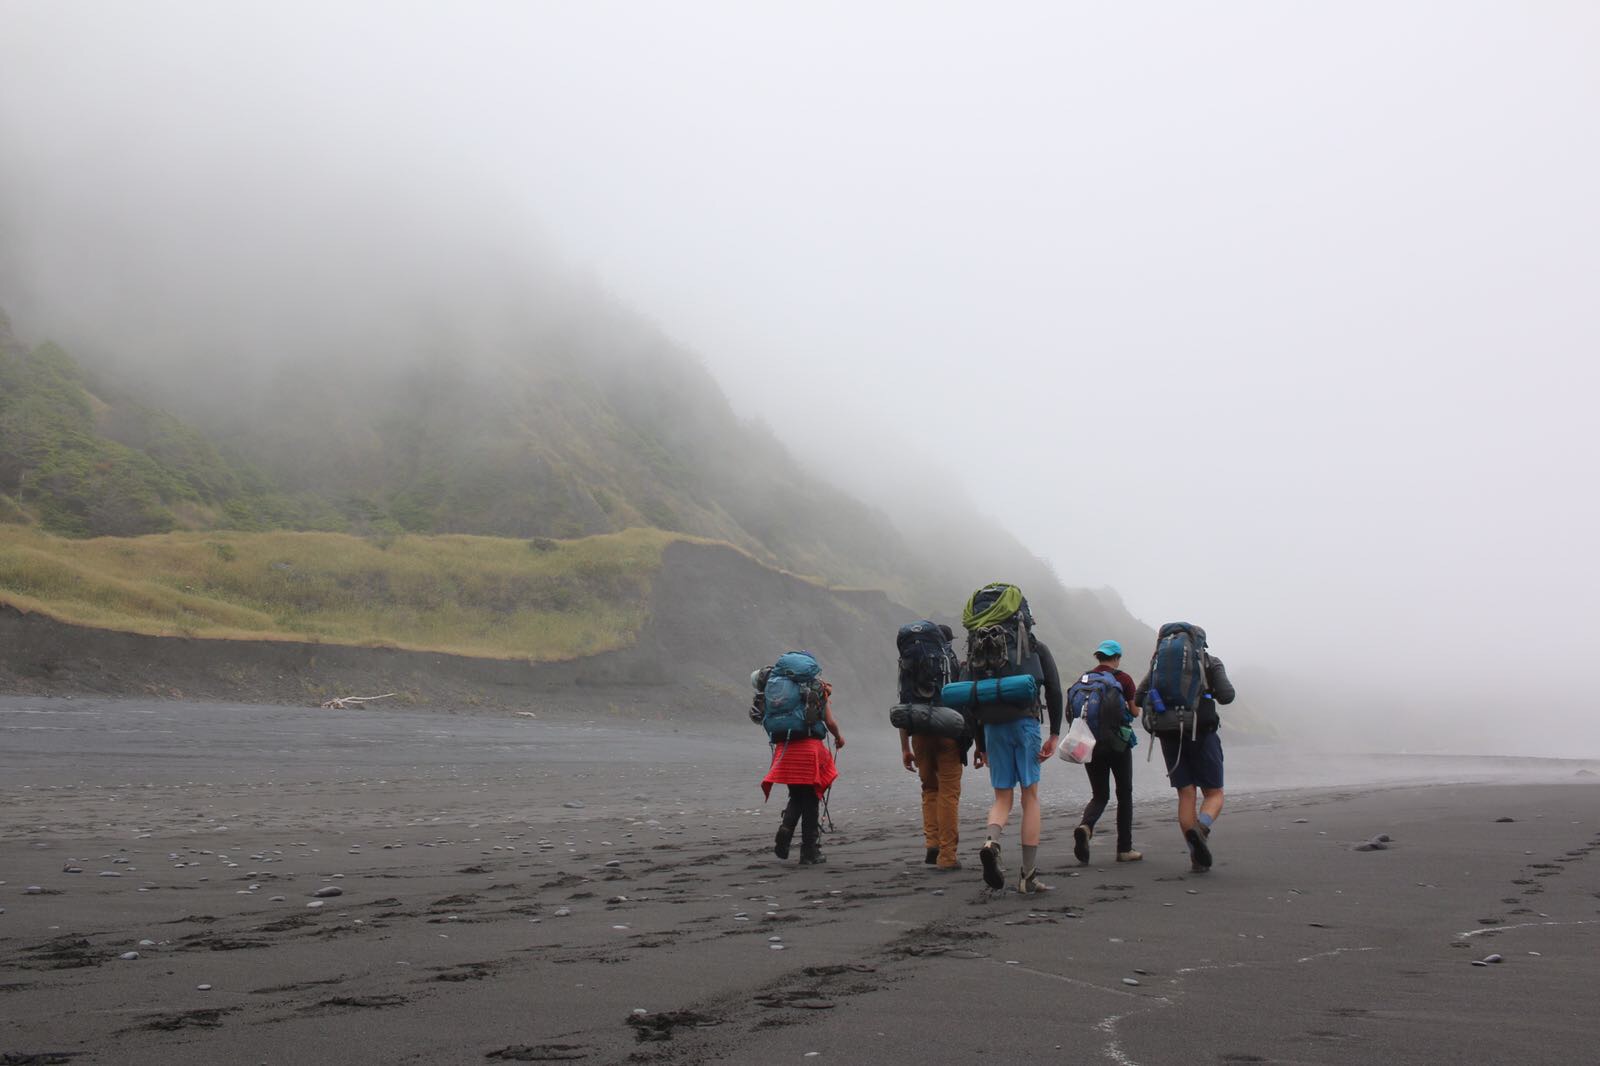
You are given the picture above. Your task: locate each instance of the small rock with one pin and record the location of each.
(276, 899)
(562, 912)
(202, 988)
(147, 943)
(614, 863)
(1505, 819)
(33, 890)
(1131, 981)
(1493, 958)
(328, 892)
(1479, 962)
(573, 804)
(314, 903)
(1301, 821)
(118, 873)
(128, 956)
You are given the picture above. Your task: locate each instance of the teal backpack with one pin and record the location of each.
(795, 699)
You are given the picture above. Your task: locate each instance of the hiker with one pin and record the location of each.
(1008, 671)
(1113, 753)
(927, 663)
(1179, 697)
(797, 713)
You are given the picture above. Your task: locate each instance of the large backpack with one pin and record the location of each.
(1098, 697)
(927, 662)
(1000, 643)
(794, 699)
(1177, 680)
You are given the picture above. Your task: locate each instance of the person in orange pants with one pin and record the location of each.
(938, 761)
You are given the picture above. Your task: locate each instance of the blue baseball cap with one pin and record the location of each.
(1109, 648)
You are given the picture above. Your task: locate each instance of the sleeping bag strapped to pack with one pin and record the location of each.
(927, 662)
(930, 719)
(758, 702)
(1000, 647)
(1098, 698)
(1177, 680)
(794, 699)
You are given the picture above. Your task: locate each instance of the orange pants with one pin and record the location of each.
(939, 766)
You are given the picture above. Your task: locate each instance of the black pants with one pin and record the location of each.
(1101, 769)
(802, 810)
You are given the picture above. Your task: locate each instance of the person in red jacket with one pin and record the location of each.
(807, 767)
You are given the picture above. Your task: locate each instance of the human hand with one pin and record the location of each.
(909, 760)
(980, 760)
(838, 740)
(1048, 748)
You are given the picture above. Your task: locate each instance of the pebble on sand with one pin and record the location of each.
(328, 892)
(1130, 981)
(562, 912)
(129, 956)
(314, 903)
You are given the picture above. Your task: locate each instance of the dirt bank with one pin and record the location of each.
(716, 615)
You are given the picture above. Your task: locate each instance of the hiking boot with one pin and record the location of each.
(811, 855)
(1129, 856)
(1030, 883)
(1198, 849)
(931, 857)
(780, 843)
(993, 874)
(1080, 843)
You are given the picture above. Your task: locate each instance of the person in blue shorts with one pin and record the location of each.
(1197, 763)
(1013, 751)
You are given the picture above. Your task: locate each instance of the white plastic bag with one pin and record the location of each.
(1078, 745)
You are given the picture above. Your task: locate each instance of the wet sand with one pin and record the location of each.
(512, 889)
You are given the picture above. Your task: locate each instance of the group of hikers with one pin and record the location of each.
(994, 706)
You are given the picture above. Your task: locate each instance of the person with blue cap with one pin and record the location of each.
(1113, 757)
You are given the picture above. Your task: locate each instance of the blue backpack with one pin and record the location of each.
(1098, 697)
(1177, 679)
(794, 699)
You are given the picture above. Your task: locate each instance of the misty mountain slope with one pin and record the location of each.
(585, 420)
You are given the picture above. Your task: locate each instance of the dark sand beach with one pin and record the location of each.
(515, 889)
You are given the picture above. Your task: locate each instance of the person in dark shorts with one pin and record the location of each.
(1196, 763)
(1107, 764)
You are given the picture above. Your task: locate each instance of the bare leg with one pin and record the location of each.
(1186, 812)
(1210, 805)
(1030, 815)
(1000, 812)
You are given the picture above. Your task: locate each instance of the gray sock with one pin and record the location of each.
(1030, 852)
(995, 831)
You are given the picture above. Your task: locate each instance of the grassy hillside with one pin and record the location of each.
(583, 426)
(543, 600)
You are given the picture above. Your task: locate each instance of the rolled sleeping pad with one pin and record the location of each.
(930, 719)
(1020, 689)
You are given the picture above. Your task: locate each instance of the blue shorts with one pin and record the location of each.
(1199, 761)
(1013, 753)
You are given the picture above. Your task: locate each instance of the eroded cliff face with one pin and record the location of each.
(715, 615)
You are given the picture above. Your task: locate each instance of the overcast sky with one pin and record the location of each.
(1281, 318)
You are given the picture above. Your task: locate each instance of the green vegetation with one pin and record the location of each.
(466, 595)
